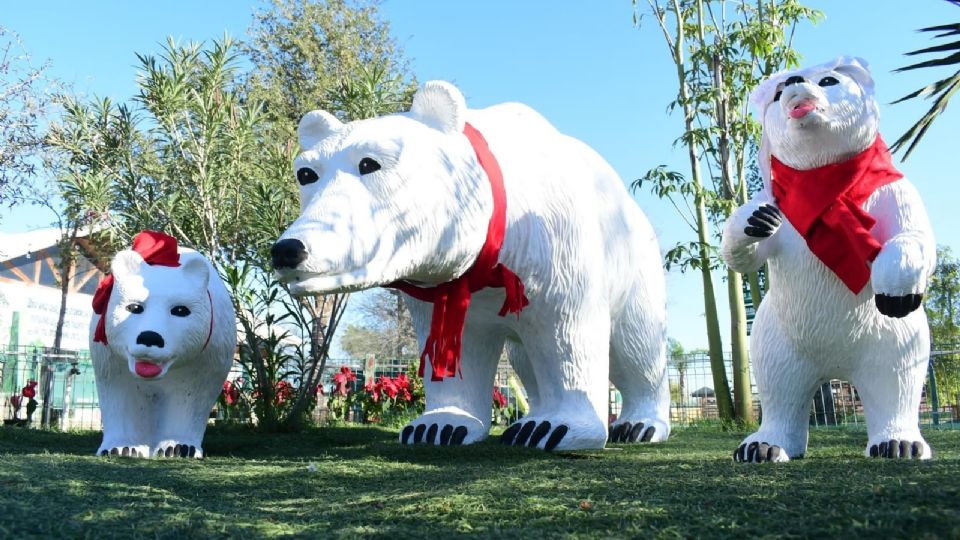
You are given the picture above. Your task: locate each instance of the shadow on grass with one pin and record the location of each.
(359, 482)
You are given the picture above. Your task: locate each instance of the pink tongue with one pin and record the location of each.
(147, 369)
(802, 109)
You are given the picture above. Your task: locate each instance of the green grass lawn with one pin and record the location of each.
(359, 482)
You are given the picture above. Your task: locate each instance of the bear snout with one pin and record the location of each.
(150, 338)
(288, 253)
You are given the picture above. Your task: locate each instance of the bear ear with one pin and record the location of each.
(857, 69)
(195, 269)
(441, 106)
(316, 126)
(126, 263)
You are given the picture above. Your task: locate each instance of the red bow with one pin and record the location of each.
(156, 249)
(451, 299)
(825, 205)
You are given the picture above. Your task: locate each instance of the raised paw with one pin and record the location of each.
(179, 451)
(897, 306)
(899, 449)
(125, 451)
(449, 435)
(627, 432)
(759, 452)
(764, 221)
(531, 433)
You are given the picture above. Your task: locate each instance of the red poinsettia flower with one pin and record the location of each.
(284, 391)
(231, 393)
(389, 386)
(30, 390)
(342, 380)
(373, 389)
(499, 400)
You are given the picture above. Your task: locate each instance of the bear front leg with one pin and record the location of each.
(184, 410)
(570, 361)
(899, 275)
(127, 415)
(459, 409)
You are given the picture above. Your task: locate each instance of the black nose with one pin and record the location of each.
(150, 339)
(794, 80)
(288, 253)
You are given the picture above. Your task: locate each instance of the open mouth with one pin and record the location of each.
(146, 368)
(306, 284)
(803, 108)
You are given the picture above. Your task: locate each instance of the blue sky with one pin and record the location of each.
(584, 65)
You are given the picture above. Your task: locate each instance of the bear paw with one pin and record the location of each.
(759, 452)
(764, 221)
(444, 428)
(176, 450)
(900, 449)
(641, 431)
(137, 451)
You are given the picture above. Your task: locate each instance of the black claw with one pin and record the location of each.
(104, 453)
(752, 451)
(524, 434)
(904, 450)
(125, 452)
(555, 438)
(897, 306)
(159, 453)
(738, 453)
(624, 433)
(418, 433)
(114, 452)
(432, 434)
(405, 436)
(445, 434)
(459, 435)
(882, 450)
(892, 448)
(774, 453)
(193, 451)
(539, 434)
(762, 452)
(874, 451)
(648, 434)
(510, 434)
(184, 450)
(915, 450)
(615, 433)
(635, 432)
(168, 452)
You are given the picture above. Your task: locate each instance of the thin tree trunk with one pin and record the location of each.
(742, 391)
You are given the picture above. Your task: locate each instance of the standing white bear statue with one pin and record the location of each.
(848, 266)
(477, 215)
(162, 340)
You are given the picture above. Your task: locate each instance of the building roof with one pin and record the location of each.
(13, 245)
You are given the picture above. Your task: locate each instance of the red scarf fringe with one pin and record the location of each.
(451, 300)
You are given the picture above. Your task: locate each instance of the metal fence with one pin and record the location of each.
(66, 393)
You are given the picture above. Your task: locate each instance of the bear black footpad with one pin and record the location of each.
(627, 432)
(449, 435)
(123, 451)
(897, 449)
(756, 452)
(530, 434)
(897, 306)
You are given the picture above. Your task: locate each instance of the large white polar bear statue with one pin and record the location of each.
(477, 214)
(162, 340)
(848, 266)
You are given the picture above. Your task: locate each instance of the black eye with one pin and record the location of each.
(776, 97)
(828, 81)
(368, 165)
(135, 308)
(180, 311)
(306, 176)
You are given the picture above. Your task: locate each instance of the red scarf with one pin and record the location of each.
(825, 205)
(451, 299)
(157, 249)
